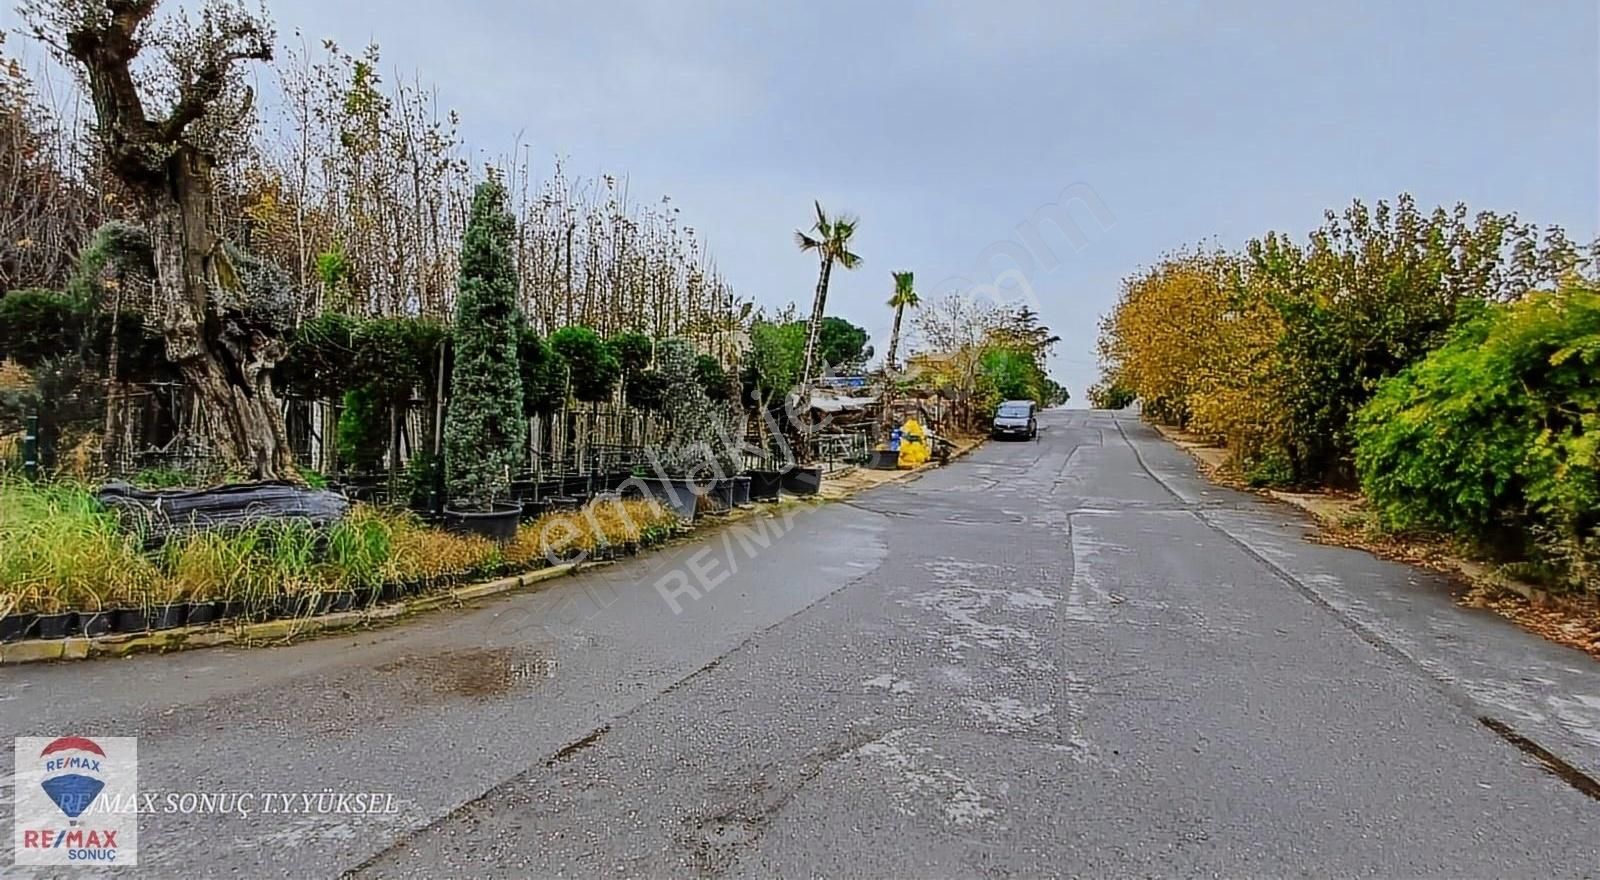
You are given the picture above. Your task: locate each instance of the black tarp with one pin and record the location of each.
(161, 515)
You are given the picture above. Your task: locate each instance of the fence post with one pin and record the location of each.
(30, 448)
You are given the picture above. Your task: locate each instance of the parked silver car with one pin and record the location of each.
(1015, 418)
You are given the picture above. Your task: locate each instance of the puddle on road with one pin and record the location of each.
(475, 673)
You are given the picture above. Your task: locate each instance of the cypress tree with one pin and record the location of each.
(484, 429)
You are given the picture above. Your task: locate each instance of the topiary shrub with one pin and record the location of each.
(394, 356)
(633, 351)
(320, 361)
(484, 431)
(592, 367)
(37, 325)
(1495, 436)
(713, 378)
(544, 375)
(646, 390)
(363, 432)
(641, 386)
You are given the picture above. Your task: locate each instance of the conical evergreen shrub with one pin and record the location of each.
(484, 430)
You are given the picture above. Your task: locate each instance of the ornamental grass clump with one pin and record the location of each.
(59, 549)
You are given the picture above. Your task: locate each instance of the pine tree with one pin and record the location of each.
(484, 430)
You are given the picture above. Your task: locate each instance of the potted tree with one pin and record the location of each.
(772, 369)
(484, 429)
(592, 372)
(693, 456)
(544, 393)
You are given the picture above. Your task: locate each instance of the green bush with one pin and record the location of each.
(395, 357)
(544, 375)
(320, 361)
(363, 430)
(646, 390)
(1111, 394)
(633, 351)
(1012, 374)
(713, 378)
(1270, 469)
(594, 368)
(1496, 435)
(37, 325)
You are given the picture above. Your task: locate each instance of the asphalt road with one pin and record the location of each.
(1069, 657)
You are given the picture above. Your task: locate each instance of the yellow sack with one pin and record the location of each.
(913, 444)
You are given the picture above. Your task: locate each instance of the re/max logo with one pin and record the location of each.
(73, 762)
(73, 838)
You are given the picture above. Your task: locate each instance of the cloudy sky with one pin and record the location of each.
(947, 125)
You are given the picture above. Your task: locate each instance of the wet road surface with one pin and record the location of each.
(1068, 657)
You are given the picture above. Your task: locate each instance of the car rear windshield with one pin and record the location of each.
(1012, 412)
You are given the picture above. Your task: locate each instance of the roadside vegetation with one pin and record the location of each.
(1445, 364)
(61, 550)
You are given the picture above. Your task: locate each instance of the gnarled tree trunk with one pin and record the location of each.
(229, 369)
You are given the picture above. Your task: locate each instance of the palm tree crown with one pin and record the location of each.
(830, 238)
(904, 295)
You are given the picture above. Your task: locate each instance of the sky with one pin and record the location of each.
(952, 128)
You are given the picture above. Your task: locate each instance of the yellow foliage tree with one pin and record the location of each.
(1195, 338)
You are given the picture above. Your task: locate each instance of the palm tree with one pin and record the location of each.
(830, 238)
(904, 295)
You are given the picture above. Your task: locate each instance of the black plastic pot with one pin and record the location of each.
(682, 495)
(94, 623)
(498, 523)
(805, 480)
(298, 605)
(341, 601)
(615, 479)
(17, 627)
(562, 557)
(741, 490)
(169, 616)
(566, 503)
(884, 459)
(533, 509)
(764, 485)
(576, 486)
(129, 620)
(630, 548)
(57, 626)
(202, 613)
(721, 496)
(230, 609)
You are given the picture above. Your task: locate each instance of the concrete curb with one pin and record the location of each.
(266, 632)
